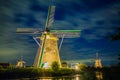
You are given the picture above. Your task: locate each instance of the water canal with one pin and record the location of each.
(75, 77)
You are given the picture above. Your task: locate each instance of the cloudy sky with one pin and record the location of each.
(95, 18)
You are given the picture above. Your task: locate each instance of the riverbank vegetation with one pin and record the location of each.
(87, 73)
(33, 72)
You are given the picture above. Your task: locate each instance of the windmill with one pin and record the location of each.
(48, 50)
(98, 63)
(20, 63)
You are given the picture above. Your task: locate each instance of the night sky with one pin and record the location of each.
(96, 19)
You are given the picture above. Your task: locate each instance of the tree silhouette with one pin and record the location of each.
(115, 36)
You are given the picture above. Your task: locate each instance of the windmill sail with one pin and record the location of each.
(29, 30)
(42, 52)
(50, 17)
(66, 33)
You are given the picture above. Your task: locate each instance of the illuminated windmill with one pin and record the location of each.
(20, 63)
(98, 63)
(48, 51)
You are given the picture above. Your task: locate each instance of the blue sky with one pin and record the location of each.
(95, 18)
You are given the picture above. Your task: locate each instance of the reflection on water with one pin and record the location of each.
(99, 75)
(76, 77)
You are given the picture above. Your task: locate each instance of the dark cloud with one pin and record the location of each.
(36, 6)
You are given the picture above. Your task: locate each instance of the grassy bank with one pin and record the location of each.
(33, 72)
(88, 73)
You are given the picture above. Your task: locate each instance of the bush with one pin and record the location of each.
(55, 66)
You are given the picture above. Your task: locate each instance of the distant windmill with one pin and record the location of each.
(48, 51)
(98, 63)
(20, 63)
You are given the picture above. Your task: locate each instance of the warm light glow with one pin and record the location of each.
(77, 77)
(99, 75)
(98, 63)
(76, 67)
(20, 63)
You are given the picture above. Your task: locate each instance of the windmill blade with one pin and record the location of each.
(50, 16)
(29, 30)
(42, 51)
(66, 33)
